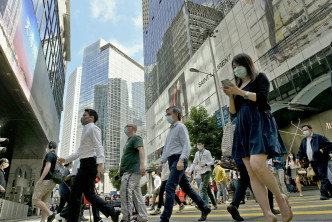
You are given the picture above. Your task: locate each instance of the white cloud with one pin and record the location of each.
(103, 10)
(130, 49)
(138, 20)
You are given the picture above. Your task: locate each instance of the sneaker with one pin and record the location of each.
(215, 207)
(156, 212)
(227, 202)
(204, 215)
(181, 207)
(84, 219)
(324, 198)
(51, 218)
(58, 217)
(235, 213)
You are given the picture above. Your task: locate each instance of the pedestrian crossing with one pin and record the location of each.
(305, 209)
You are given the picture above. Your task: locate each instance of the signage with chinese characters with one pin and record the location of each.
(219, 121)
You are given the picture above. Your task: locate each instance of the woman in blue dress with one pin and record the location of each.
(256, 136)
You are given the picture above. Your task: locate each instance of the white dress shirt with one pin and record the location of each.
(309, 148)
(90, 145)
(76, 166)
(203, 157)
(157, 182)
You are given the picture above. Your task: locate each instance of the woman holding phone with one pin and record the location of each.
(256, 136)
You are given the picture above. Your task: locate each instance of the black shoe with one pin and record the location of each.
(84, 219)
(115, 215)
(51, 218)
(275, 212)
(324, 198)
(204, 215)
(242, 202)
(235, 213)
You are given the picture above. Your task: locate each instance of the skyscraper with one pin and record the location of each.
(108, 78)
(174, 32)
(145, 13)
(69, 128)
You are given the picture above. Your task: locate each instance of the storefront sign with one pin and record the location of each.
(219, 122)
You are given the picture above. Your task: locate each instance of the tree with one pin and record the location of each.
(116, 183)
(203, 126)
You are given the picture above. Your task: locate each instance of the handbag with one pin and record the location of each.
(59, 174)
(301, 171)
(227, 139)
(228, 163)
(310, 172)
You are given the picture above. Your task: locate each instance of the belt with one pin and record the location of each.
(172, 156)
(88, 158)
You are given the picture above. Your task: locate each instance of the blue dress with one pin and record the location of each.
(256, 132)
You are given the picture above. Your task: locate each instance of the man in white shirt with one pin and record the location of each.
(91, 155)
(316, 148)
(204, 159)
(156, 183)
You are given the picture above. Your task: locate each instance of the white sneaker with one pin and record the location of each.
(58, 218)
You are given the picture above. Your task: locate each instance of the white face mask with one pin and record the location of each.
(199, 147)
(6, 165)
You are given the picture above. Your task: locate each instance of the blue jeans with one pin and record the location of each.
(199, 185)
(175, 178)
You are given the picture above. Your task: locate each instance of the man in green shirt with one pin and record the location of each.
(132, 168)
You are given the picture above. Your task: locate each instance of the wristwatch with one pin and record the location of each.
(246, 96)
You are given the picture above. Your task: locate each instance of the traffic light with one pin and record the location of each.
(3, 144)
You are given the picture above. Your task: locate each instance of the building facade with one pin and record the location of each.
(34, 45)
(288, 41)
(145, 13)
(109, 80)
(69, 128)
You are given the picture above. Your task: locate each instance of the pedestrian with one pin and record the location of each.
(315, 148)
(4, 163)
(234, 178)
(176, 151)
(132, 168)
(204, 160)
(156, 183)
(44, 186)
(279, 164)
(91, 155)
(164, 178)
(197, 176)
(256, 135)
(293, 166)
(221, 181)
(244, 183)
(65, 188)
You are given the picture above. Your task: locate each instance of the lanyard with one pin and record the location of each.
(200, 156)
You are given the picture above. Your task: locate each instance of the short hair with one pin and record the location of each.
(52, 145)
(2, 160)
(306, 125)
(201, 141)
(133, 125)
(67, 164)
(175, 110)
(93, 113)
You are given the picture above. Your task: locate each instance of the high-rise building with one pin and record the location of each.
(173, 34)
(145, 13)
(69, 128)
(108, 79)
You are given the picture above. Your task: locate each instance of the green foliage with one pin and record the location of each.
(202, 126)
(116, 183)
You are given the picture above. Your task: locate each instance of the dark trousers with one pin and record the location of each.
(175, 178)
(244, 183)
(63, 200)
(161, 195)
(320, 169)
(85, 183)
(206, 189)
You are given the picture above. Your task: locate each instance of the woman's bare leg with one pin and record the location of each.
(298, 185)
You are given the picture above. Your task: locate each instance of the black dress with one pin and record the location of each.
(256, 130)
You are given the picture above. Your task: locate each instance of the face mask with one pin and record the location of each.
(240, 72)
(125, 130)
(199, 147)
(306, 133)
(6, 165)
(169, 119)
(84, 120)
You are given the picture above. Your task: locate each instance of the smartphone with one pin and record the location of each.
(226, 82)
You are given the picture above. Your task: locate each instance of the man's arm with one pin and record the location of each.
(45, 171)
(98, 146)
(141, 160)
(325, 144)
(185, 142)
(300, 154)
(193, 165)
(210, 160)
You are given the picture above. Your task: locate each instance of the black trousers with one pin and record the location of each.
(320, 169)
(161, 195)
(244, 183)
(63, 200)
(85, 183)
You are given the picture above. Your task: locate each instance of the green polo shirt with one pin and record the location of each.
(130, 161)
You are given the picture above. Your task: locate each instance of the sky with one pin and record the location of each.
(115, 21)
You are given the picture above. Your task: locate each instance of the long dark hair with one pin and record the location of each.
(245, 60)
(289, 157)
